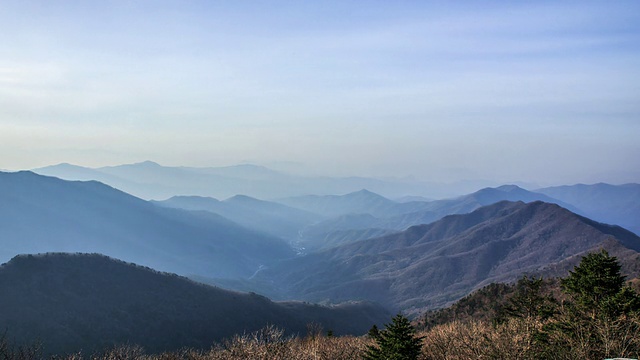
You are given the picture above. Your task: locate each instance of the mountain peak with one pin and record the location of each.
(147, 163)
(63, 165)
(241, 198)
(509, 188)
(365, 193)
(444, 260)
(192, 198)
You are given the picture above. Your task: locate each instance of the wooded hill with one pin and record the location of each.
(72, 302)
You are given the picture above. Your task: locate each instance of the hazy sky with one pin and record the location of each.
(545, 92)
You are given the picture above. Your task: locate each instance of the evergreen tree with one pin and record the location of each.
(597, 287)
(374, 332)
(528, 301)
(397, 341)
(599, 319)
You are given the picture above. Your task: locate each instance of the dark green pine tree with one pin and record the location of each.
(596, 318)
(398, 341)
(597, 287)
(528, 301)
(374, 332)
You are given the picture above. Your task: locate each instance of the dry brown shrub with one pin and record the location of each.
(596, 338)
(24, 352)
(122, 352)
(620, 337)
(267, 343)
(271, 344)
(322, 347)
(480, 340)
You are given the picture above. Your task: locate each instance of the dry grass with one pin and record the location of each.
(513, 339)
(266, 344)
(480, 340)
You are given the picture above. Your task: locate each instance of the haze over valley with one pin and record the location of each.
(367, 254)
(238, 241)
(229, 177)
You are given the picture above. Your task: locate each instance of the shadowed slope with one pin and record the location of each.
(89, 302)
(273, 218)
(43, 214)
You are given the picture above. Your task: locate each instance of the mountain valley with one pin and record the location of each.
(428, 266)
(361, 254)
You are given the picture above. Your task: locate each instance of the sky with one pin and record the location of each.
(532, 91)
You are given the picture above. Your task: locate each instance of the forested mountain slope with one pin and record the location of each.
(89, 302)
(430, 265)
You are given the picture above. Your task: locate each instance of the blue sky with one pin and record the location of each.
(545, 92)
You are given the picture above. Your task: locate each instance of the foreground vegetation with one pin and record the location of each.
(268, 343)
(595, 316)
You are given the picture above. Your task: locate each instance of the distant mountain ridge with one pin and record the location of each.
(150, 180)
(272, 218)
(342, 219)
(367, 212)
(616, 204)
(89, 302)
(437, 209)
(46, 214)
(335, 205)
(358, 202)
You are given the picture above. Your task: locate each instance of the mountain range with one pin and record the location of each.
(272, 218)
(316, 222)
(428, 266)
(614, 204)
(46, 214)
(408, 255)
(371, 215)
(150, 180)
(89, 302)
